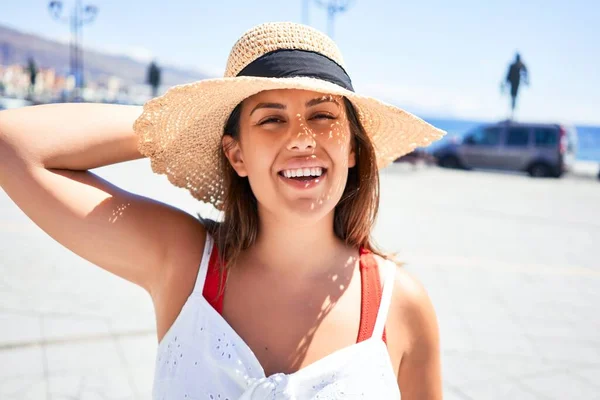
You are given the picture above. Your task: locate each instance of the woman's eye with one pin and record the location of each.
(270, 120)
(323, 116)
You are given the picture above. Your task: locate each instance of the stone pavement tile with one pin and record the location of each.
(21, 362)
(504, 344)
(471, 280)
(66, 327)
(519, 366)
(133, 322)
(475, 302)
(567, 350)
(589, 289)
(446, 305)
(486, 321)
(93, 292)
(546, 328)
(19, 328)
(453, 393)
(517, 276)
(501, 390)
(138, 350)
(23, 389)
(141, 380)
(456, 342)
(574, 310)
(467, 283)
(454, 334)
(586, 325)
(589, 373)
(89, 370)
(22, 374)
(82, 357)
(561, 385)
(461, 368)
(105, 385)
(523, 306)
(138, 355)
(81, 292)
(523, 289)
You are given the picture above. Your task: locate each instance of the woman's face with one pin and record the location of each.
(295, 148)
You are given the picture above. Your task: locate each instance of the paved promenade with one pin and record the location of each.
(512, 265)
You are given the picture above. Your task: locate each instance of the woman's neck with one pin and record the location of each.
(299, 250)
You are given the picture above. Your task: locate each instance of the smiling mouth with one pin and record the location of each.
(303, 174)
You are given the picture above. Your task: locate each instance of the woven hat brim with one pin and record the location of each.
(181, 131)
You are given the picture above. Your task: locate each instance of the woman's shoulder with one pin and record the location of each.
(411, 306)
(186, 248)
(405, 284)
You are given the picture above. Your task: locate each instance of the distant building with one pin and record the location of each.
(51, 86)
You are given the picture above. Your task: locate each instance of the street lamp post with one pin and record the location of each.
(79, 16)
(333, 7)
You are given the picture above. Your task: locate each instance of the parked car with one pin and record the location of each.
(542, 150)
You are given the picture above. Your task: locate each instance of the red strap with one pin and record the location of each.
(212, 286)
(370, 295)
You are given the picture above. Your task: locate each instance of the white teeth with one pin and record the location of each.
(293, 173)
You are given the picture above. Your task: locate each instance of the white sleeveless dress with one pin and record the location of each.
(202, 357)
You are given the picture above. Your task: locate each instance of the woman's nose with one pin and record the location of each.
(302, 137)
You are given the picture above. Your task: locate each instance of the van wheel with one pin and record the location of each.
(449, 162)
(540, 170)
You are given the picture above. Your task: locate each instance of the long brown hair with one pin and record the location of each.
(354, 215)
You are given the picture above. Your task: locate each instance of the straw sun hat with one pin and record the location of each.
(181, 130)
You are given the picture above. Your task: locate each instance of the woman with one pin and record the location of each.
(285, 297)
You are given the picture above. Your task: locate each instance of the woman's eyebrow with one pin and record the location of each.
(322, 99)
(310, 103)
(277, 106)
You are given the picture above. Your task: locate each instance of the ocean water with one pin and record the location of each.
(588, 148)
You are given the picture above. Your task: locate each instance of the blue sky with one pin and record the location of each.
(436, 58)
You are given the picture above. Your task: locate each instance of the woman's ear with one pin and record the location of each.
(233, 152)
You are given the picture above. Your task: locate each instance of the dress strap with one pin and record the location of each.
(370, 295)
(203, 269)
(214, 286)
(386, 298)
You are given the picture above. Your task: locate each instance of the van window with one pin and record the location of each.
(517, 137)
(545, 137)
(484, 137)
